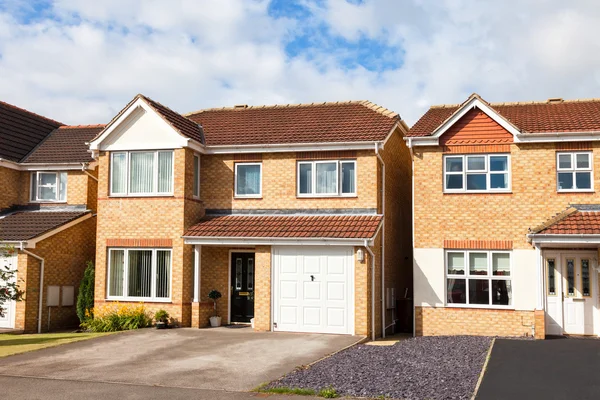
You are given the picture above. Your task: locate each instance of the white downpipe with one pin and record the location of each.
(412, 171)
(372, 256)
(84, 169)
(41, 299)
(383, 305)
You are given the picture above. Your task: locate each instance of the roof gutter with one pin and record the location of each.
(231, 241)
(538, 238)
(41, 291)
(280, 147)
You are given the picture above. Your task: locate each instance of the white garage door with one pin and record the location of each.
(314, 289)
(8, 320)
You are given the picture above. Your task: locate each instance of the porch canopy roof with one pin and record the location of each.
(285, 229)
(578, 224)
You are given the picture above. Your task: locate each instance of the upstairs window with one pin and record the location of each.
(142, 173)
(48, 186)
(248, 180)
(574, 172)
(327, 178)
(478, 173)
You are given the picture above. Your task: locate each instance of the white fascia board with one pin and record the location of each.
(548, 137)
(46, 167)
(280, 148)
(30, 244)
(414, 141)
(233, 241)
(564, 239)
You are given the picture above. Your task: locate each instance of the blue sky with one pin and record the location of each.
(80, 61)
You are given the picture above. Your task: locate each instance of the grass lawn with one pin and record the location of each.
(14, 344)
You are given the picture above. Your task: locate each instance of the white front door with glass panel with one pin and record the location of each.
(570, 293)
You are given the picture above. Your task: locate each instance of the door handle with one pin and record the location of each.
(312, 278)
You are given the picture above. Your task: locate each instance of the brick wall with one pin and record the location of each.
(262, 291)
(279, 184)
(11, 184)
(431, 321)
(65, 255)
(533, 200)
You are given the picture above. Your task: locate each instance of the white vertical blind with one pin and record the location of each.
(141, 174)
(62, 190)
(117, 266)
(305, 177)
(326, 177)
(119, 173)
(248, 179)
(163, 273)
(139, 276)
(165, 171)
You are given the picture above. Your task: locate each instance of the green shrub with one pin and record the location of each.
(328, 393)
(85, 297)
(117, 317)
(161, 316)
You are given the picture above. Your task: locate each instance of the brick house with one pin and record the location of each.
(506, 218)
(48, 197)
(299, 215)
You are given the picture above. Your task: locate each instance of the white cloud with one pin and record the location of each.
(80, 62)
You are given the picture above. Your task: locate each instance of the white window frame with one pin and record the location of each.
(196, 179)
(34, 176)
(486, 171)
(574, 169)
(313, 183)
(154, 193)
(235, 181)
(489, 277)
(125, 297)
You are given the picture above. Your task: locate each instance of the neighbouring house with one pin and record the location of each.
(506, 218)
(48, 181)
(298, 214)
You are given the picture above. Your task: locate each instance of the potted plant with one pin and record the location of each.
(214, 295)
(162, 319)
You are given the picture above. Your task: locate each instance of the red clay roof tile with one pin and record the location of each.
(287, 226)
(576, 223)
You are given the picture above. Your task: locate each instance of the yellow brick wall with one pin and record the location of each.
(65, 255)
(11, 184)
(431, 321)
(262, 291)
(279, 184)
(533, 200)
(214, 274)
(151, 218)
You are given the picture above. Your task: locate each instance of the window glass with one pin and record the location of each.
(196, 175)
(476, 163)
(583, 160)
(326, 177)
(248, 179)
(163, 273)
(139, 275)
(564, 161)
(119, 173)
(456, 263)
(165, 171)
(456, 291)
(47, 186)
(478, 264)
(565, 180)
(498, 163)
(583, 180)
(499, 181)
(454, 181)
(476, 182)
(62, 192)
(141, 172)
(454, 164)
(551, 277)
(479, 291)
(305, 178)
(571, 277)
(585, 277)
(501, 292)
(117, 268)
(501, 264)
(348, 174)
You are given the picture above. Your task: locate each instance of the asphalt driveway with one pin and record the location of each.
(542, 369)
(222, 358)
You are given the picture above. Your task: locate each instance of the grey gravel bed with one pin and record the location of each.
(442, 367)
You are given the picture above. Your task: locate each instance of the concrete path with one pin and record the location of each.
(543, 369)
(214, 359)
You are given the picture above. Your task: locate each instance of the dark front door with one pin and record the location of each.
(242, 287)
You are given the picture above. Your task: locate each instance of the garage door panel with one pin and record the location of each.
(319, 291)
